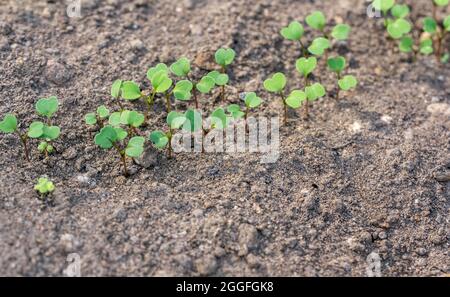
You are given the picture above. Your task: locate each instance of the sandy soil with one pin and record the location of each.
(358, 177)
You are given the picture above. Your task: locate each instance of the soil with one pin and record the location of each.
(366, 173)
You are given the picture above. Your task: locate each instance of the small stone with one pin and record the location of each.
(4, 44)
(439, 109)
(206, 265)
(66, 242)
(58, 73)
(137, 44)
(149, 158)
(443, 177)
(382, 235)
(197, 213)
(421, 251)
(248, 238)
(70, 153)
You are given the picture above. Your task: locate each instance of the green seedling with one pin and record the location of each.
(46, 132)
(204, 86)
(337, 65)
(132, 119)
(305, 66)
(9, 125)
(44, 187)
(220, 79)
(224, 57)
(98, 117)
(160, 139)
(251, 101)
(161, 84)
(317, 20)
(276, 84)
(46, 107)
(235, 111)
(181, 67)
(113, 137)
(400, 28)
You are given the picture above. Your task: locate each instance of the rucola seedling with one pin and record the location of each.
(161, 139)
(98, 117)
(110, 137)
(9, 125)
(400, 28)
(276, 84)
(319, 45)
(224, 57)
(346, 82)
(46, 132)
(44, 187)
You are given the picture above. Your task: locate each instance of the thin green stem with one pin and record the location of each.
(168, 104)
(284, 107)
(24, 140)
(123, 159)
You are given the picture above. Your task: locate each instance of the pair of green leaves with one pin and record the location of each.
(406, 45)
(398, 28)
(92, 117)
(252, 100)
(383, 5)
(175, 120)
(181, 67)
(224, 56)
(295, 30)
(109, 135)
(44, 186)
(47, 106)
(319, 46)
(42, 131)
(276, 83)
(337, 64)
(306, 66)
(126, 117)
(45, 147)
(311, 93)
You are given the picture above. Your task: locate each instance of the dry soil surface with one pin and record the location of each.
(364, 174)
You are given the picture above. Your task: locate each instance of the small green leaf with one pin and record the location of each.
(306, 66)
(44, 186)
(161, 82)
(429, 25)
(181, 68)
(399, 28)
(51, 132)
(348, 82)
(336, 64)
(115, 88)
(131, 90)
(135, 147)
(205, 85)
(400, 11)
(160, 67)
(441, 2)
(341, 32)
(426, 47)
(193, 121)
(8, 124)
(318, 46)
(36, 130)
(115, 119)
(316, 20)
(315, 91)
(224, 56)
(252, 100)
(47, 106)
(182, 90)
(220, 79)
(447, 23)
(90, 119)
(295, 99)
(106, 137)
(102, 112)
(293, 32)
(445, 58)
(235, 111)
(159, 139)
(406, 44)
(218, 119)
(276, 83)
(121, 133)
(383, 5)
(131, 118)
(175, 120)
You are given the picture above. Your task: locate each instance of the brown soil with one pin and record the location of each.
(358, 177)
